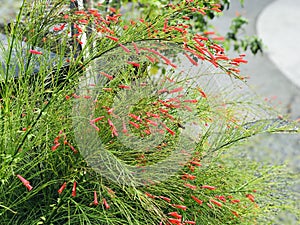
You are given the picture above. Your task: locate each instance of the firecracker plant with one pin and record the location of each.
(110, 120)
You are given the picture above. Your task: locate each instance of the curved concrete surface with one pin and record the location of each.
(279, 27)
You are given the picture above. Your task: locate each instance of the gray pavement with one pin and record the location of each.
(278, 25)
(267, 77)
(275, 74)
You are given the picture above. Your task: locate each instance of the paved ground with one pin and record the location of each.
(277, 71)
(274, 74)
(270, 79)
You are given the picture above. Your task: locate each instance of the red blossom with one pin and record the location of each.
(134, 124)
(215, 202)
(62, 188)
(221, 197)
(175, 214)
(124, 48)
(105, 203)
(35, 52)
(135, 117)
(124, 86)
(137, 51)
(183, 207)
(95, 202)
(196, 163)
(250, 197)
(113, 10)
(80, 12)
(74, 189)
(96, 119)
(25, 182)
(235, 213)
(151, 122)
(179, 89)
(150, 195)
(151, 59)
(169, 130)
(197, 200)
(175, 221)
(188, 176)
(239, 60)
(165, 198)
(124, 128)
(191, 100)
(113, 128)
(59, 28)
(107, 75)
(54, 147)
(202, 92)
(193, 187)
(133, 64)
(191, 59)
(235, 201)
(209, 187)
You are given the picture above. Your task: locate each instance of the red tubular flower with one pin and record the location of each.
(189, 222)
(83, 21)
(151, 122)
(197, 200)
(95, 202)
(179, 89)
(215, 202)
(54, 147)
(209, 187)
(170, 131)
(113, 10)
(105, 203)
(191, 59)
(35, 52)
(151, 59)
(59, 28)
(150, 195)
(196, 163)
(174, 221)
(62, 188)
(97, 119)
(222, 198)
(175, 214)
(137, 118)
(188, 176)
(25, 182)
(183, 207)
(191, 100)
(235, 213)
(72, 148)
(134, 124)
(134, 64)
(112, 38)
(239, 60)
(137, 51)
(202, 93)
(124, 86)
(250, 197)
(165, 198)
(235, 201)
(124, 48)
(107, 75)
(193, 187)
(80, 12)
(74, 189)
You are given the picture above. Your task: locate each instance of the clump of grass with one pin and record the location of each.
(81, 117)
